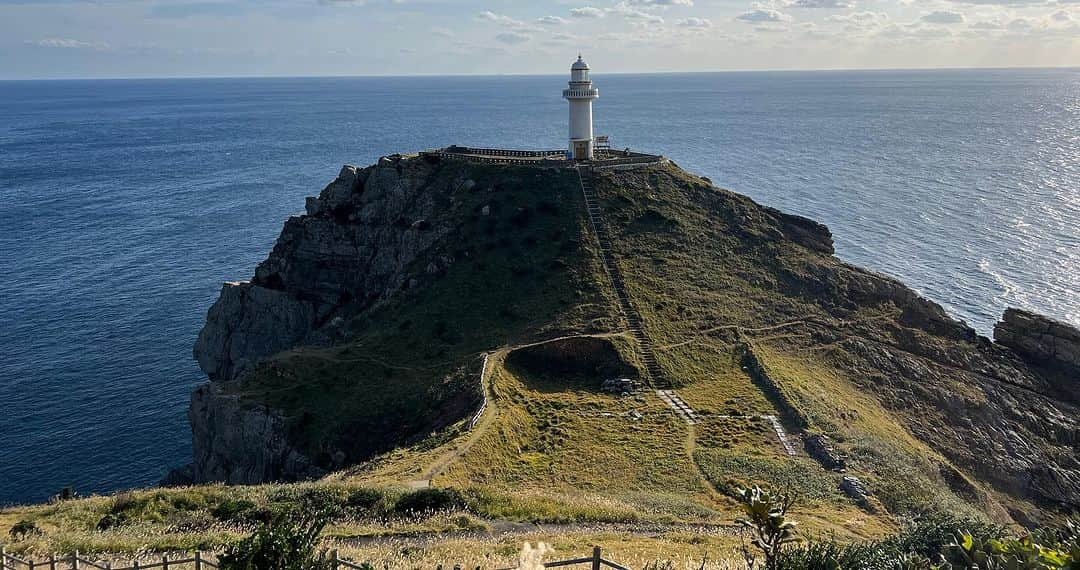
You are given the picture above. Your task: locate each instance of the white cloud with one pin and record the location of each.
(630, 13)
(861, 18)
(551, 21)
(663, 2)
(1060, 16)
(67, 43)
(943, 17)
(442, 32)
(827, 4)
(763, 15)
(695, 23)
(587, 12)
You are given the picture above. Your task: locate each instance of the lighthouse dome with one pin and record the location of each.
(579, 65)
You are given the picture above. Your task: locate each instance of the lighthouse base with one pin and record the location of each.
(581, 149)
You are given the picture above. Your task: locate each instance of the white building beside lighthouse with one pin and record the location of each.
(581, 93)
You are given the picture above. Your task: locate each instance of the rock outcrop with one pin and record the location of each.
(361, 240)
(241, 444)
(1043, 342)
(351, 249)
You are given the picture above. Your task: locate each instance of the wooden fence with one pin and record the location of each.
(200, 561)
(74, 561)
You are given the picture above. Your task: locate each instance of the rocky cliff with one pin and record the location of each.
(388, 230)
(362, 330)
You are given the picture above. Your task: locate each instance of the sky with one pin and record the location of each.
(200, 38)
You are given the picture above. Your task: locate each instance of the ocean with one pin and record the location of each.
(125, 204)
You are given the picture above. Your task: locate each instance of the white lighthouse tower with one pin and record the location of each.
(581, 94)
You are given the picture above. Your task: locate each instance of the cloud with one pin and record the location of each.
(587, 12)
(915, 31)
(67, 43)
(1060, 16)
(1020, 25)
(551, 21)
(489, 16)
(694, 23)
(860, 21)
(626, 11)
(516, 26)
(763, 15)
(943, 17)
(826, 4)
(443, 32)
(988, 25)
(512, 38)
(662, 2)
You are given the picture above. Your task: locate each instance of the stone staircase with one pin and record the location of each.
(654, 374)
(675, 402)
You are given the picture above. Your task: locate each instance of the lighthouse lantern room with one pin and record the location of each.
(581, 93)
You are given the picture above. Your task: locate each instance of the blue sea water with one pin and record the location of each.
(125, 204)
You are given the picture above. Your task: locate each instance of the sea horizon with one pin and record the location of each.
(552, 74)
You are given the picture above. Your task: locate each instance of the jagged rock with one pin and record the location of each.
(240, 444)
(819, 447)
(247, 323)
(804, 231)
(1044, 342)
(854, 488)
(619, 386)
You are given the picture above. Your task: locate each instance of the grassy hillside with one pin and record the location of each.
(750, 316)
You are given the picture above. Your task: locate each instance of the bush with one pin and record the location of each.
(430, 500)
(233, 510)
(289, 542)
(23, 529)
(370, 501)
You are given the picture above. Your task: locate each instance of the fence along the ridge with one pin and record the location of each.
(200, 560)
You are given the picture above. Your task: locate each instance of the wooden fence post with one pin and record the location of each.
(165, 562)
(3, 558)
(334, 559)
(75, 560)
(596, 558)
(52, 561)
(198, 560)
(135, 564)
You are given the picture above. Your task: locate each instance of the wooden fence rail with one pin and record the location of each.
(200, 561)
(74, 561)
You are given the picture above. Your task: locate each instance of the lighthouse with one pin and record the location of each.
(580, 94)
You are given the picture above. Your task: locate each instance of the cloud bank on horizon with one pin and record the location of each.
(164, 38)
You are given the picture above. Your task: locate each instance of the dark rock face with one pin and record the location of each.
(804, 231)
(240, 444)
(821, 449)
(1044, 342)
(353, 248)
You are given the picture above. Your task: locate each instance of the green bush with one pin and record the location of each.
(23, 529)
(233, 510)
(367, 501)
(289, 542)
(430, 500)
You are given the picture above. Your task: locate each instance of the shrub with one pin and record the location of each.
(23, 529)
(233, 510)
(370, 501)
(430, 500)
(766, 519)
(289, 542)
